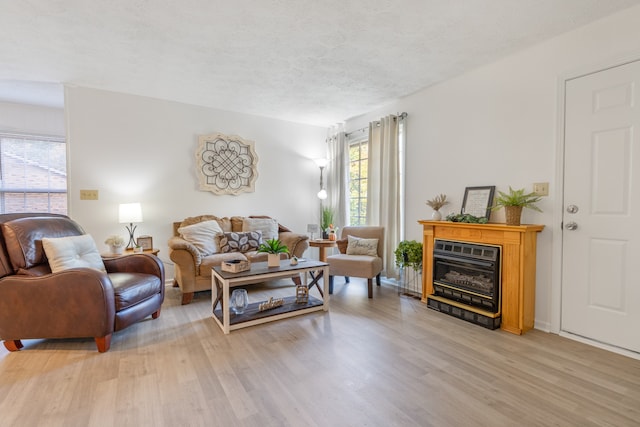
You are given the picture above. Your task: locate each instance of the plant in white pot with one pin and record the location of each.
(436, 204)
(116, 244)
(273, 248)
(513, 202)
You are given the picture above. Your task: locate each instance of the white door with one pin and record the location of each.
(601, 256)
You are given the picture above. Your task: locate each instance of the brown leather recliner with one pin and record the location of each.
(74, 303)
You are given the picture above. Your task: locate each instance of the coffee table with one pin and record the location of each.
(222, 282)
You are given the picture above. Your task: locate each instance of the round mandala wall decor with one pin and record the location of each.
(226, 164)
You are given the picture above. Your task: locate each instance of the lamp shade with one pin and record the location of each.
(130, 213)
(321, 162)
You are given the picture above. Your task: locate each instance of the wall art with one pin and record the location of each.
(226, 164)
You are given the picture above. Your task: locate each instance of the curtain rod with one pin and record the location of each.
(402, 115)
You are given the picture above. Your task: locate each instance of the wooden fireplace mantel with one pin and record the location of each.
(518, 267)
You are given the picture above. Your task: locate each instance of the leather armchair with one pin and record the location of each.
(74, 303)
(348, 265)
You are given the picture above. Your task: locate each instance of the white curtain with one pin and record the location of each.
(337, 175)
(385, 199)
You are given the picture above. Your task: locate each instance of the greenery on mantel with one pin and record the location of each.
(466, 218)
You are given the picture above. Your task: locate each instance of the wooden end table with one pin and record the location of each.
(322, 245)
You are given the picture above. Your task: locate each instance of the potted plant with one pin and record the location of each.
(513, 202)
(273, 247)
(115, 243)
(436, 204)
(409, 254)
(327, 220)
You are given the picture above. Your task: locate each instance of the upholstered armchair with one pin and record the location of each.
(42, 296)
(361, 250)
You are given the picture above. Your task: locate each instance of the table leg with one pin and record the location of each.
(225, 307)
(322, 253)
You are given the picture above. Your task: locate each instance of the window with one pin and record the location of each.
(33, 174)
(358, 178)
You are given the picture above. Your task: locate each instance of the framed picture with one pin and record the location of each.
(478, 201)
(146, 242)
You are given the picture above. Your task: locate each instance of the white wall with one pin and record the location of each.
(133, 148)
(498, 125)
(30, 119)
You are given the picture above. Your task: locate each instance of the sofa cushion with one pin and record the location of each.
(239, 242)
(202, 235)
(68, 252)
(23, 238)
(359, 246)
(281, 228)
(268, 227)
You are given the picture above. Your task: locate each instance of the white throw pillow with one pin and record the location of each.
(202, 235)
(64, 253)
(359, 246)
(268, 226)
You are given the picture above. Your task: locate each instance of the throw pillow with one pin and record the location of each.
(202, 235)
(239, 242)
(72, 252)
(268, 227)
(359, 246)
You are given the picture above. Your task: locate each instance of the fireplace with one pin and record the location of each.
(466, 281)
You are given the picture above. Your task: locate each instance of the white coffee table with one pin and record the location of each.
(222, 282)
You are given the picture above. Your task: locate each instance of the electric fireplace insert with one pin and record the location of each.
(466, 281)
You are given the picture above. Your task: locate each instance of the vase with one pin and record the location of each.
(273, 260)
(332, 235)
(239, 301)
(513, 214)
(117, 250)
(436, 215)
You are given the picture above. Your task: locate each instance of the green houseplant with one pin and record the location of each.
(513, 202)
(327, 219)
(409, 254)
(273, 247)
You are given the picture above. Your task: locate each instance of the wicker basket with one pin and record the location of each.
(513, 214)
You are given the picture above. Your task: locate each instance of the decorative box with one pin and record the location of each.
(235, 266)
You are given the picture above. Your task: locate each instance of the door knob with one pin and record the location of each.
(572, 209)
(571, 226)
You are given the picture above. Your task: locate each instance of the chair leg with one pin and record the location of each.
(330, 285)
(346, 279)
(103, 343)
(13, 345)
(187, 297)
(296, 280)
(156, 314)
(370, 288)
(378, 280)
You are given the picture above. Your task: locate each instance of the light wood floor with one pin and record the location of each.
(388, 361)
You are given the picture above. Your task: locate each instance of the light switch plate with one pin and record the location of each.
(541, 188)
(88, 194)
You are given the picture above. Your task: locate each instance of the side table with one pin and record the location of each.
(322, 245)
(128, 252)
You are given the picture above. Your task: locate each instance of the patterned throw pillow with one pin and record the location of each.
(358, 246)
(239, 242)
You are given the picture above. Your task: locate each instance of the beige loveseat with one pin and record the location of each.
(193, 262)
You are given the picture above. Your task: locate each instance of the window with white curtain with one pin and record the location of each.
(33, 174)
(358, 180)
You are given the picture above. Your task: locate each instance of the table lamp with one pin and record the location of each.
(130, 213)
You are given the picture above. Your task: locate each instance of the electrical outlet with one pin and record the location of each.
(88, 194)
(541, 188)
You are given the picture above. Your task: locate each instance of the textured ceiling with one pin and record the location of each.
(310, 61)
